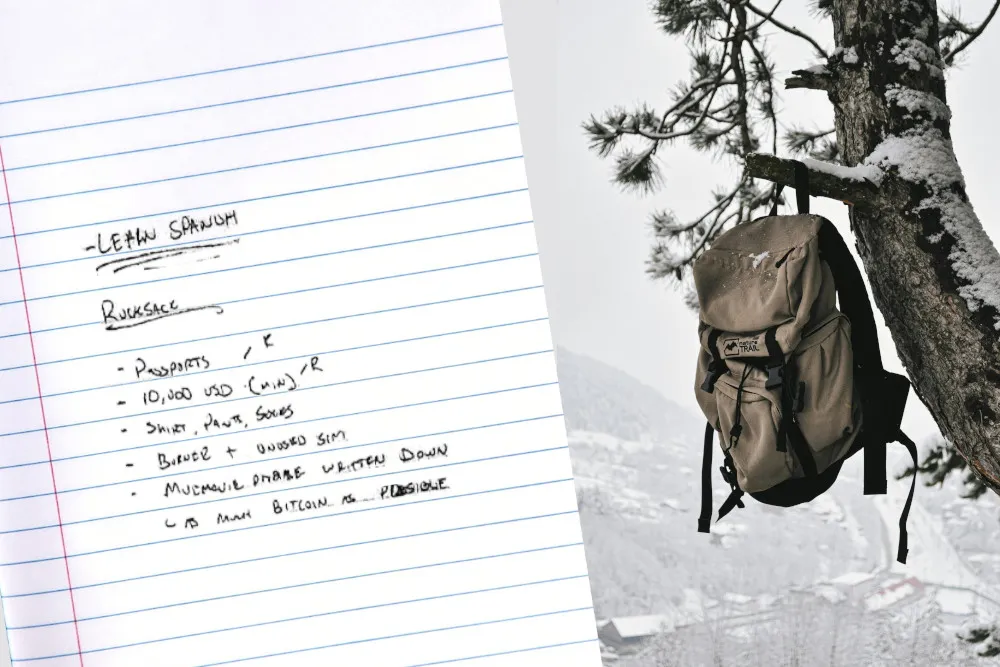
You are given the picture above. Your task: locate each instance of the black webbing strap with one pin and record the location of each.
(801, 184)
(801, 187)
(904, 515)
(705, 519)
(776, 380)
(728, 469)
(854, 303)
(717, 367)
(732, 501)
(777, 198)
(735, 497)
(788, 429)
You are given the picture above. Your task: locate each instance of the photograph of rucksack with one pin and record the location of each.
(793, 384)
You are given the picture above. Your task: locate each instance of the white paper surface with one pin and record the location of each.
(276, 377)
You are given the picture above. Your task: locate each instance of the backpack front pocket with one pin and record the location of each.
(827, 406)
(748, 419)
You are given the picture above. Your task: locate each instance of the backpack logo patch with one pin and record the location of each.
(735, 347)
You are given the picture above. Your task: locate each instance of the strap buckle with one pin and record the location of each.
(735, 498)
(729, 473)
(715, 371)
(775, 376)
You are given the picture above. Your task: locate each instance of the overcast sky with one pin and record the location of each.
(594, 239)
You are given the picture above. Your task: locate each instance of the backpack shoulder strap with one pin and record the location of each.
(883, 394)
(801, 190)
(854, 303)
(911, 447)
(705, 519)
(728, 470)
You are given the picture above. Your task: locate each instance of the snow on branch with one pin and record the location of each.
(857, 185)
(817, 77)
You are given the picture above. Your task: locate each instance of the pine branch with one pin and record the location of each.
(941, 462)
(691, 17)
(799, 141)
(791, 30)
(767, 18)
(731, 96)
(952, 26)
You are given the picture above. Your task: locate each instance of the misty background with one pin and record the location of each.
(627, 353)
(594, 239)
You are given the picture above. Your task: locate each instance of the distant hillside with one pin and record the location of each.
(637, 460)
(603, 399)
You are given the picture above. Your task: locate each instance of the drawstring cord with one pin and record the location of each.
(737, 429)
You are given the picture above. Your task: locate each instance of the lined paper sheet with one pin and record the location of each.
(277, 385)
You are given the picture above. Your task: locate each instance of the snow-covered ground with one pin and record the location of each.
(640, 488)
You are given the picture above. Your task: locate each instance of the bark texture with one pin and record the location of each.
(914, 227)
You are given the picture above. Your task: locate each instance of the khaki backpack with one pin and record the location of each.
(792, 384)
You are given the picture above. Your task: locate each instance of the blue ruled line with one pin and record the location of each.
(297, 225)
(331, 482)
(306, 617)
(251, 364)
(250, 133)
(304, 552)
(395, 636)
(246, 167)
(264, 197)
(274, 328)
(275, 262)
(276, 589)
(176, 77)
(515, 651)
(334, 645)
(303, 291)
(215, 105)
(282, 523)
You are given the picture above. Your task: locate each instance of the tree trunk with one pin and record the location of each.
(934, 273)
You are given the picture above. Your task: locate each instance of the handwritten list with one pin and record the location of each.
(277, 384)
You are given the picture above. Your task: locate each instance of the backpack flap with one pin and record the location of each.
(760, 275)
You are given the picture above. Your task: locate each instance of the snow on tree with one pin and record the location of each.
(889, 157)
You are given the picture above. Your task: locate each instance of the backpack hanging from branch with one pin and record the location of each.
(793, 384)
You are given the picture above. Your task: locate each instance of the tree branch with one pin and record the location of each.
(791, 30)
(848, 185)
(756, 26)
(813, 78)
(800, 141)
(949, 57)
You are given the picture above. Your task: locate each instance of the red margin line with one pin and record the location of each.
(41, 404)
